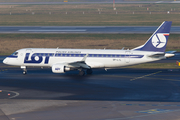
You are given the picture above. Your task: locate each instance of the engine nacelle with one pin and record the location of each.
(58, 68)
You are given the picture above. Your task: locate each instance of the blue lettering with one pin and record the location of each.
(57, 68)
(37, 58)
(46, 60)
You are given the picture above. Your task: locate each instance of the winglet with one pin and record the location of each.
(84, 58)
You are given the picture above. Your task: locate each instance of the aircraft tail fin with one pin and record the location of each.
(158, 40)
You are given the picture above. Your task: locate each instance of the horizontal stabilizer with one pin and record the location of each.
(161, 55)
(171, 52)
(158, 55)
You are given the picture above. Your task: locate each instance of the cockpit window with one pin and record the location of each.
(15, 54)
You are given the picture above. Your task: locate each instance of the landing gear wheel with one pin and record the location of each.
(89, 71)
(24, 72)
(81, 73)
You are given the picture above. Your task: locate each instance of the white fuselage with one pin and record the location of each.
(97, 58)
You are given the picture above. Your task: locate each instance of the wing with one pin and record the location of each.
(79, 64)
(63, 67)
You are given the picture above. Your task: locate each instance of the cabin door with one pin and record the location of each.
(127, 56)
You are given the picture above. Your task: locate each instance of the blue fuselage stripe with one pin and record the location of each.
(82, 55)
(89, 55)
(37, 58)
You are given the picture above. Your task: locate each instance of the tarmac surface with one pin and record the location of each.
(121, 94)
(83, 29)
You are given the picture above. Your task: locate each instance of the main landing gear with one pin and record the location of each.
(88, 72)
(81, 73)
(24, 70)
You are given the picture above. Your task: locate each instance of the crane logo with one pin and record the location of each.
(159, 40)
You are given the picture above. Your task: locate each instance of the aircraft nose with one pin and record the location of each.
(5, 61)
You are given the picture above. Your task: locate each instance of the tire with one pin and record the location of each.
(89, 71)
(24, 72)
(81, 73)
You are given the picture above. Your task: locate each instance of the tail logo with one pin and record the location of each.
(159, 40)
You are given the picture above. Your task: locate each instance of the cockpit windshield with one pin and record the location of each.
(15, 54)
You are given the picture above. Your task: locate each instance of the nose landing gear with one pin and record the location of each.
(24, 70)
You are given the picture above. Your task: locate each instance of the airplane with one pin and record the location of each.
(84, 60)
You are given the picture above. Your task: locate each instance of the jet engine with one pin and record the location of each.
(59, 68)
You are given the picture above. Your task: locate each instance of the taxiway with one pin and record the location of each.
(106, 95)
(83, 29)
